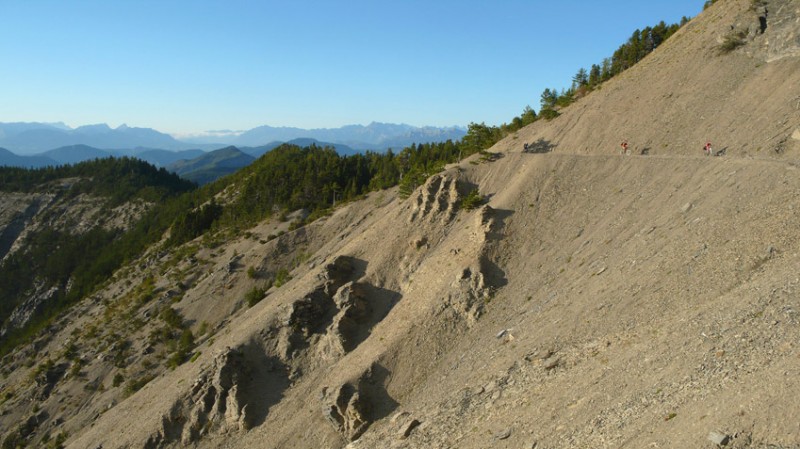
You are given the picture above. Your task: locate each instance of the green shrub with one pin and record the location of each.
(252, 273)
(118, 380)
(184, 348)
(254, 296)
(548, 113)
(172, 317)
(135, 385)
(472, 200)
(282, 277)
(732, 41)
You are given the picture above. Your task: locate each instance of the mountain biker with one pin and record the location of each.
(707, 149)
(624, 147)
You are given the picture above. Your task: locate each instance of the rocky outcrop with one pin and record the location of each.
(477, 283)
(436, 200)
(772, 26)
(218, 397)
(353, 405)
(36, 300)
(333, 318)
(347, 411)
(17, 212)
(217, 402)
(311, 315)
(783, 40)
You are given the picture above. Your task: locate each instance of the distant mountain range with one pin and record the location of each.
(375, 136)
(32, 138)
(73, 154)
(212, 165)
(10, 159)
(35, 138)
(202, 160)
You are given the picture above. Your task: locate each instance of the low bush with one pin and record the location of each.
(472, 200)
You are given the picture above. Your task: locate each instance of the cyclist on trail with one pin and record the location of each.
(624, 147)
(707, 149)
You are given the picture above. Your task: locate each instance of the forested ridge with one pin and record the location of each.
(69, 264)
(117, 179)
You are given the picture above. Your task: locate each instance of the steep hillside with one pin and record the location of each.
(592, 300)
(57, 230)
(687, 93)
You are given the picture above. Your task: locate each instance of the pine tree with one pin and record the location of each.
(580, 79)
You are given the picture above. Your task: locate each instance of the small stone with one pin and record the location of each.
(502, 435)
(399, 416)
(770, 253)
(408, 427)
(686, 207)
(502, 333)
(551, 363)
(718, 438)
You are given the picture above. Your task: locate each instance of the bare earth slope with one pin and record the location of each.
(594, 301)
(685, 93)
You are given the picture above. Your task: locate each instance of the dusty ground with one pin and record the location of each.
(596, 301)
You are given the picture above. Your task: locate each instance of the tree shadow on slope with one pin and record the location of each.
(538, 147)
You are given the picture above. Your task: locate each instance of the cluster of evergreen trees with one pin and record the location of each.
(118, 179)
(312, 178)
(640, 44)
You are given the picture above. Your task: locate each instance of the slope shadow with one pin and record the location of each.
(267, 380)
(540, 146)
(16, 226)
(314, 314)
(377, 302)
(373, 388)
(495, 276)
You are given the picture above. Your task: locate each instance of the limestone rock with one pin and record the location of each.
(718, 438)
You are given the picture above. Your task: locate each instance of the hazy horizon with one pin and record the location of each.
(185, 68)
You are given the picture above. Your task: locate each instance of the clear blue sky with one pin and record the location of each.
(188, 66)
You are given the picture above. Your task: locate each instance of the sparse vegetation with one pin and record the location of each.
(254, 296)
(732, 41)
(472, 200)
(134, 385)
(281, 277)
(182, 349)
